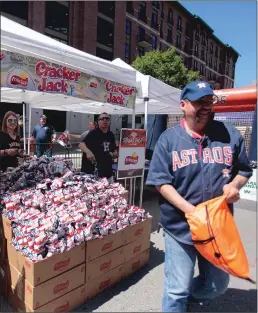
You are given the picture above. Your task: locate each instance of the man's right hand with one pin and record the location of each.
(90, 156)
(11, 152)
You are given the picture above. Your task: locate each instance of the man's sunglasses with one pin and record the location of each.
(104, 118)
(211, 102)
(10, 121)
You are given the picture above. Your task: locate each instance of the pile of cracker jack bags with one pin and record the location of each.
(53, 209)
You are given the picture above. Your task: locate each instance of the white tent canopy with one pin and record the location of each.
(163, 99)
(20, 39)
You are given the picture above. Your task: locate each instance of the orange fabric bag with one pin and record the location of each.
(215, 236)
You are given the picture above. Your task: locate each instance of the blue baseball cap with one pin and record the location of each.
(196, 90)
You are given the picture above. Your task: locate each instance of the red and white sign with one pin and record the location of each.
(131, 160)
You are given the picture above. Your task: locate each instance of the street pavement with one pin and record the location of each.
(143, 291)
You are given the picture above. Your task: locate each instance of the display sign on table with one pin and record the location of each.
(249, 191)
(131, 160)
(28, 73)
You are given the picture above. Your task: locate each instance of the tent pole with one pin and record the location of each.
(146, 100)
(29, 130)
(132, 181)
(23, 121)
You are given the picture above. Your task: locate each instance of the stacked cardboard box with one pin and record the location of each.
(63, 282)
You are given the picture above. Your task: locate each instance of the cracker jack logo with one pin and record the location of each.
(133, 159)
(226, 173)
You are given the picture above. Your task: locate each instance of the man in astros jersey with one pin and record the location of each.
(193, 162)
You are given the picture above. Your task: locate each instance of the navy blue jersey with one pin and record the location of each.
(197, 169)
(43, 133)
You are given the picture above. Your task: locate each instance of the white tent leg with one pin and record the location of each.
(131, 179)
(23, 121)
(29, 130)
(145, 127)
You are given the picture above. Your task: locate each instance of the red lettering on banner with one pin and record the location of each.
(63, 74)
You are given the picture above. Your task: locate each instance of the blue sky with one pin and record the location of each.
(234, 23)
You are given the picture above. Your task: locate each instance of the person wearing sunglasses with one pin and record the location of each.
(9, 141)
(193, 162)
(100, 146)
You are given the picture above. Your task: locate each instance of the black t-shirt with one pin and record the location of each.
(101, 144)
(7, 142)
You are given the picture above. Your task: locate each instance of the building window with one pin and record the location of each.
(178, 41)
(140, 51)
(209, 75)
(161, 29)
(196, 50)
(162, 10)
(187, 30)
(186, 47)
(107, 8)
(202, 55)
(142, 12)
(227, 69)
(197, 34)
(155, 4)
(104, 54)
(186, 62)
(57, 25)
(202, 70)
(128, 32)
(154, 42)
(154, 20)
(105, 32)
(203, 39)
(226, 83)
(211, 48)
(129, 7)
(216, 52)
(169, 35)
(210, 62)
(195, 65)
(215, 65)
(170, 17)
(16, 11)
(179, 23)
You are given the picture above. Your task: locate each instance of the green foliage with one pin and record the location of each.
(166, 66)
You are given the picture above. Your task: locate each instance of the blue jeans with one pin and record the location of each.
(42, 149)
(180, 286)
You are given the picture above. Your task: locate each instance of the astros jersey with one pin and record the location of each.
(197, 169)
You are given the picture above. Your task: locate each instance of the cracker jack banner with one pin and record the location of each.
(28, 73)
(131, 160)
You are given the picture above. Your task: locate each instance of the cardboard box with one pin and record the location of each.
(104, 264)
(103, 282)
(7, 228)
(138, 230)
(136, 247)
(135, 264)
(101, 246)
(38, 296)
(66, 303)
(39, 272)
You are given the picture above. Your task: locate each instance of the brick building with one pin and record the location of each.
(126, 29)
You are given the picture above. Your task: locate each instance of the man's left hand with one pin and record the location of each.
(231, 193)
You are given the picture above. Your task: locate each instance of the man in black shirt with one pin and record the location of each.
(100, 147)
